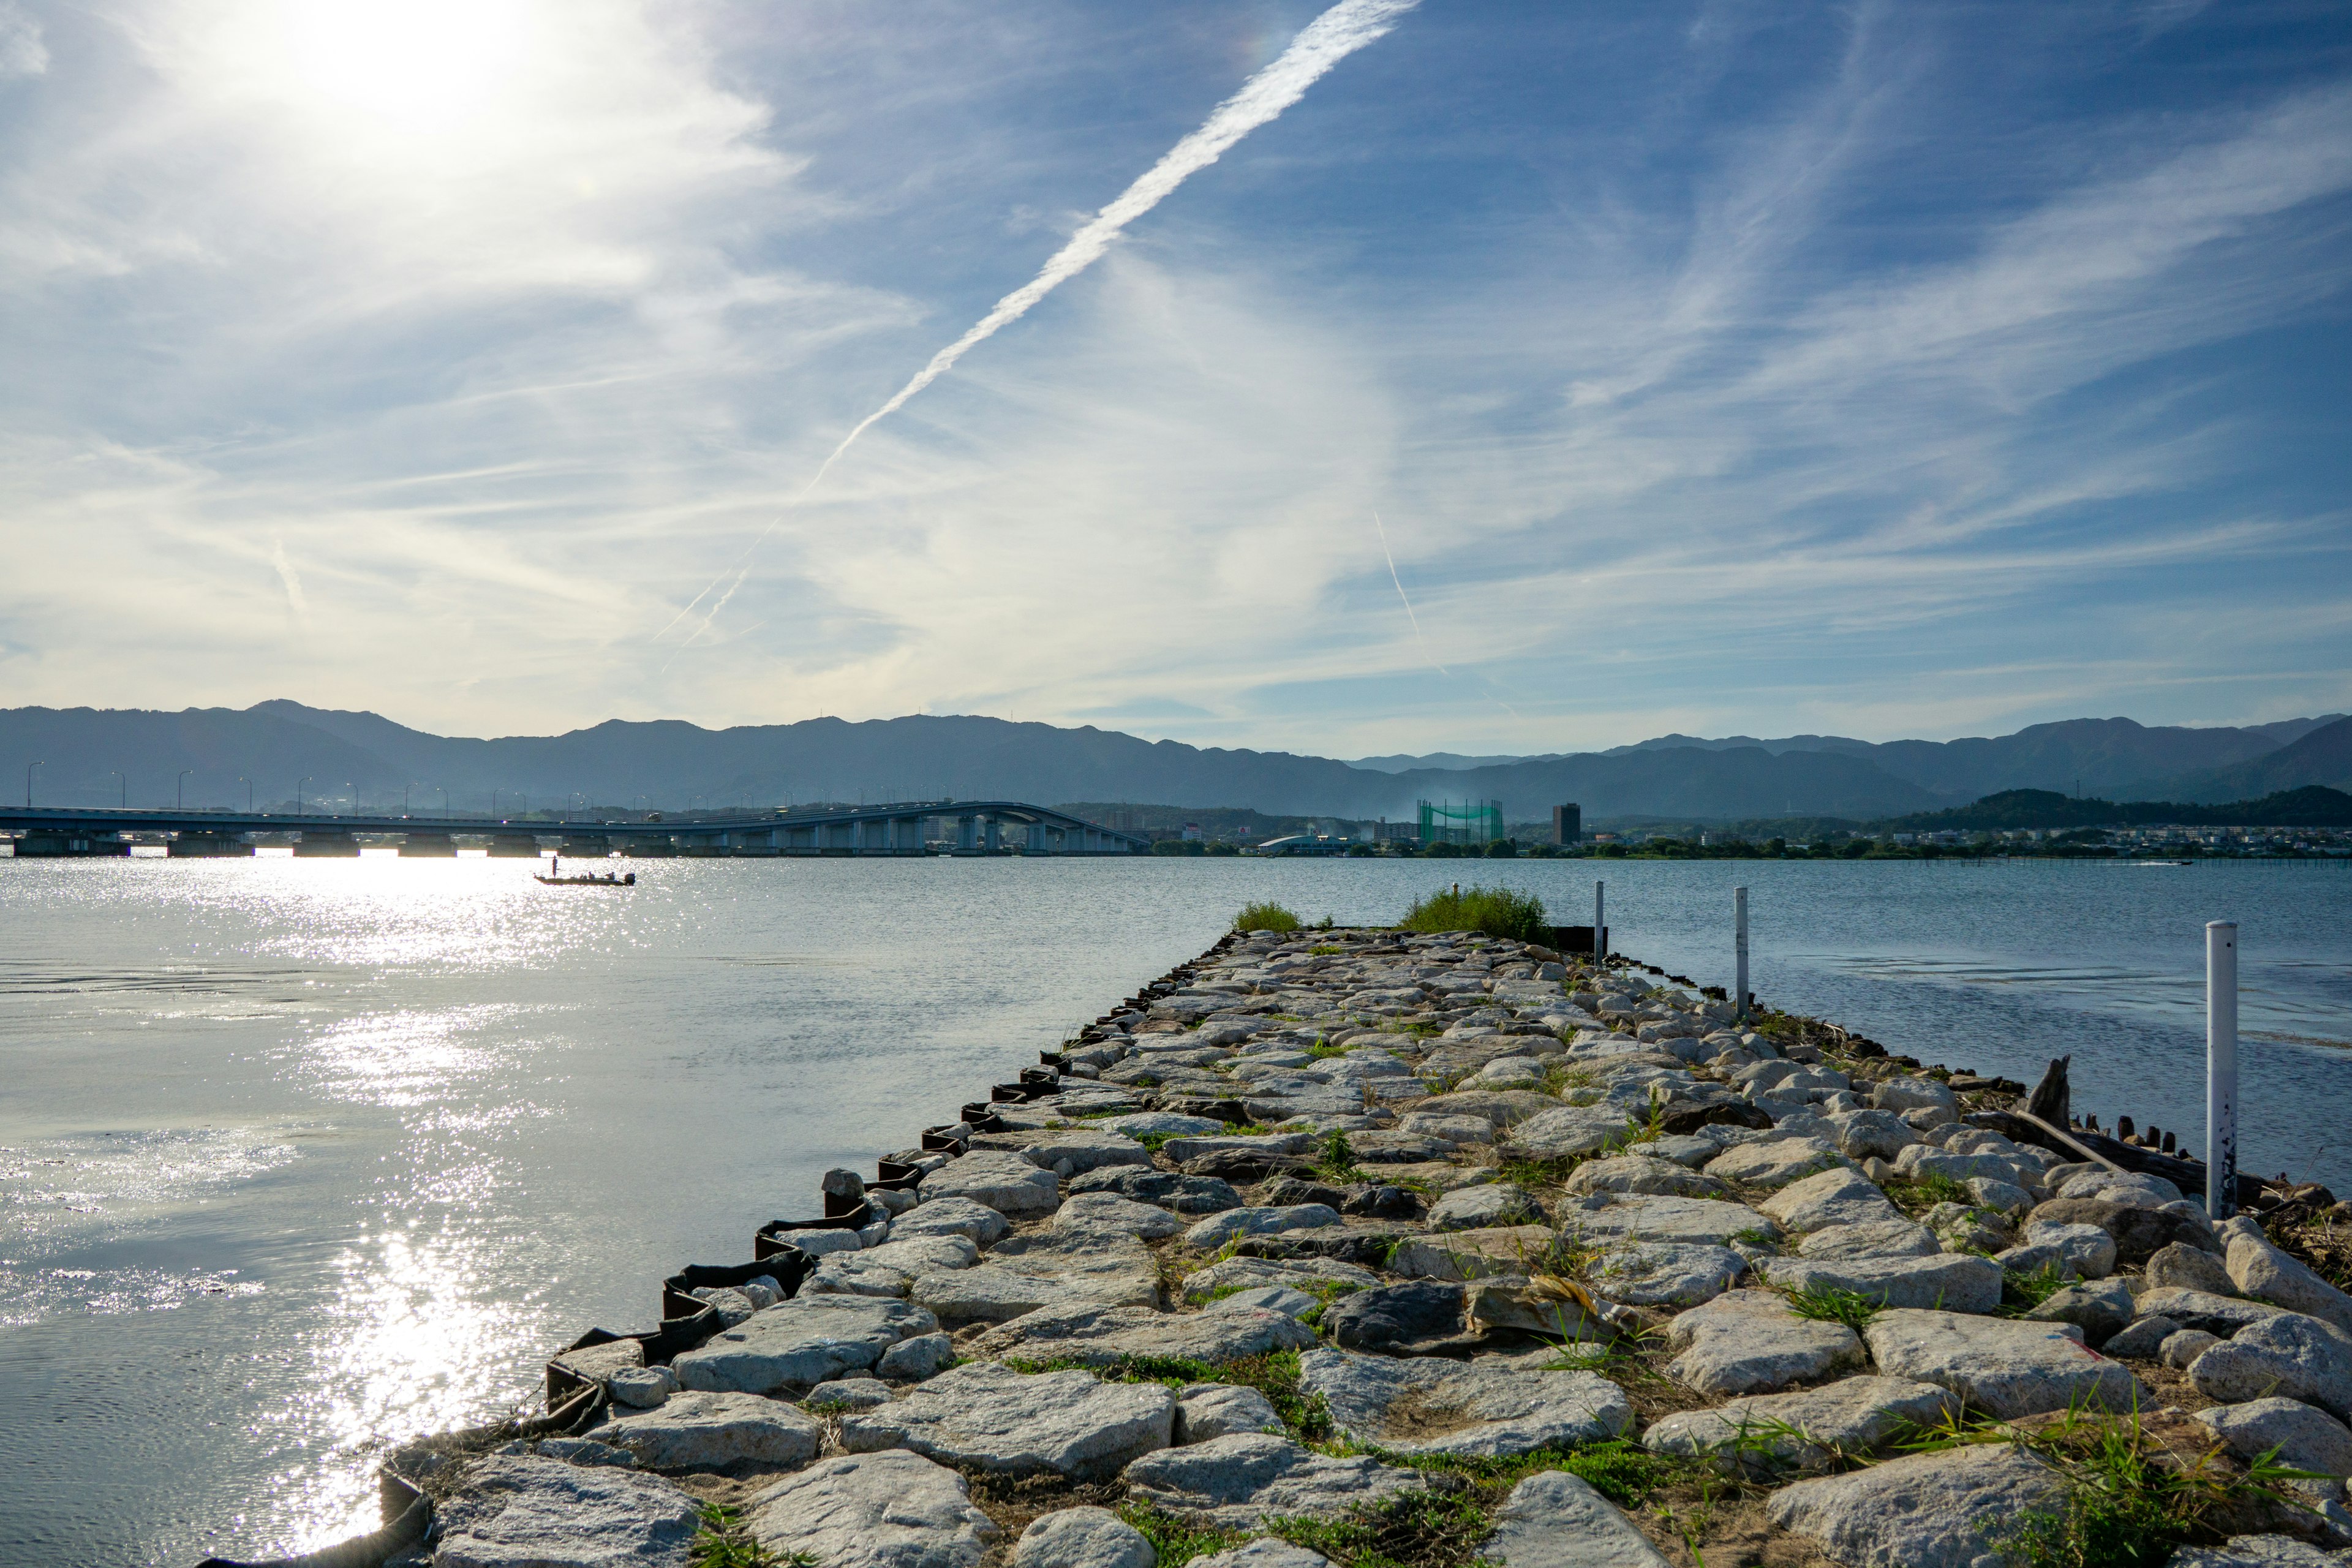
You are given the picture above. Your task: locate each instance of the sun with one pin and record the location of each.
(411, 66)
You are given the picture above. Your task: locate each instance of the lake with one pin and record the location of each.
(300, 1157)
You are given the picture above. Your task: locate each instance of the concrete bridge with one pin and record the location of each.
(902, 828)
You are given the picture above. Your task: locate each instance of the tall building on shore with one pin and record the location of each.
(1567, 824)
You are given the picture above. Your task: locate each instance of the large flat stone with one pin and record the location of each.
(1090, 1214)
(1773, 1434)
(2256, 1552)
(1922, 1510)
(710, 1431)
(1665, 1273)
(2139, 1232)
(1492, 1407)
(1308, 1274)
(1079, 1149)
(2305, 1437)
(2002, 1367)
(890, 1268)
(991, 1419)
(1949, 1281)
(1475, 1254)
(2268, 1274)
(1239, 1481)
(1749, 1341)
(976, 1223)
(993, 1295)
(2290, 1355)
(1554, 1519)
(1643, 1172)
(1503, 1107)
(2222, 1315)
(894, 1509)
(1567, 1132)
(1270, 1145)
(1896, 1237)
(1108, 1266)
(517, 1511)
(1627, 1216)
(800, 1343)
(1394, 1318)
(1083, 1537)
(1006, 1183)
(1834, 1197)
(1485, 1207)
(1210, 1233)
(1179, 1194)
(1776, 1163)
(1100, 1336)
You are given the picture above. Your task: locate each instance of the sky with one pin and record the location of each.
(1544, 378)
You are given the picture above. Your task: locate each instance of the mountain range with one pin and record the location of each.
(269, 752)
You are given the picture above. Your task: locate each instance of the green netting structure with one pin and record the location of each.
(1469, 822)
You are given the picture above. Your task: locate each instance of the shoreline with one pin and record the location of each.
(1358, 1208)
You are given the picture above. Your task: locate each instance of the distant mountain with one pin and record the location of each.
(2319, 756)
(2312, 806)
(1401, 763)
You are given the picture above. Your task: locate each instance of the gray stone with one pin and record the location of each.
(1274, 1146)
(1105, 1265)
(1311, 1275)
(1100, 1213)
(1772, 1434)
(1503, 1107)
(1274, 1299)
(1265, 1551)
(1083, 1537)
(2005, 1368)
(1481, 1207)
(992, 1295)
(1494, 1408)
(892, 1509)
(1143, 1123)
(1568, 1131)
(1835, 1198)
(1902, 1094)
(1207, 1410)
(1642, 1172)
(709, 1431)
(845, 1394)
(842, 1183)
(1922, 1510)
(2220, 1315)
(1239, 1481)
(2139, 1232)
(2140, 1340)
(2086, 1250)
(890, 1269)
(594, 1364)
(2101, 1311)
(1951, 1281)
(826, 1243)
(1210, 1233)
(991, 1419)
(582, 1451)
(1605, 1217)
(976, 1223)
(2001, 1196)
(925, 1355)
(642, 1387)
(1475, 1254)
(522, 1511)
(2256, 1552)
(1182, 1193)
(2268, 1274)
(1683, 1148)
(1099, 1336)
(2289, 1355)
(1896, 1237)
(1452, 1128)
(1006, 1183)
(2305, 1439)
(1067, 1150)
(1554, 1519)
(1864, 1133)
(1392, 1317)
(1776, 1163)
(2186, 1268)
(800, 1343)
(1749, 1341)
(1665, 1273)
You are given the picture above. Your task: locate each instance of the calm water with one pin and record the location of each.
(300, 1157)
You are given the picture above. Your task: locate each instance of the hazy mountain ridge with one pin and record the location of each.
(282, 746)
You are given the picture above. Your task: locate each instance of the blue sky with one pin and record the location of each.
(1760, 368)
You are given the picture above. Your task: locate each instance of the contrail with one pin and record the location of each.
(1408, 603)
(1325, 42)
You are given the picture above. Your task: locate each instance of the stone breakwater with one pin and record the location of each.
(1352, 1244)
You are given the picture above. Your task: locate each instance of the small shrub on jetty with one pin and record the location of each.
(1264, 916)
(1502, 912)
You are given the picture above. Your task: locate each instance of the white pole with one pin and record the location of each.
(1739, 946)
(2220, 1069)
(1600, 928)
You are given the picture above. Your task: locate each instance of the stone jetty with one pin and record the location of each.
(1336, 1245)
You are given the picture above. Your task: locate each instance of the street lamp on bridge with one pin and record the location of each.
(28, 783)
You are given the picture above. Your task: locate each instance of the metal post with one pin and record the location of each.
(1739, 947)
(1600, 926)
(2220, 1069)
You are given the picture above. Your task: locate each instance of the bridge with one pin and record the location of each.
(901, 829)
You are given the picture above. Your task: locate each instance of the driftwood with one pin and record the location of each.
(2052, 1099)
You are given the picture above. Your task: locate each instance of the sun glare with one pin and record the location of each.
(417, 66)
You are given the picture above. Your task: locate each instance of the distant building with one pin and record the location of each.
(1191, 833)
(1567, 824)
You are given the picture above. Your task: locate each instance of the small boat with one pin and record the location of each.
(553, 876)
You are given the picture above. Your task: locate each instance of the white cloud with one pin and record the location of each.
(22, 51)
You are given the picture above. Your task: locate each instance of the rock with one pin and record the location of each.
(1107, 1213)
(892, 1509)
(842, 1184)
(1265, 1551)
(992, 1295)
(513, 1510)
(2100, 1311)
(642, 1387)
(732, 1306)
(1141, 1123)
(2305, 1439)
(1952, 1281)
(1271, 1148)
(1210, 1233)
(1274, 1299)
(1835, 1198)
(2005, 1368)
(1896, 1237)
(1381, 1201)
(800, 1343)
(2001, 1197)
(1605, 1217)
(1179, 1193)
(2255, 1552)
(1310, 1275)
(976, 1223)
(702, 1431)
(582, 1451)
(1902, 1094)
(2268, 1274)
(1643, 1172)
(2289, 1355)
(1749, 1341)
(1666, 1273)
(1101, 1265)
(1495, 1407)
(925, 1355)
(2218, 1315)
(1502, 1107)
(1480, 1208)
(2183, 1267)
(1475, 1254)
(2139, 1232)
(1922, 1510)
(1863, 1134)
(1083, 1537)
(1287, 1191)
(1772, 1434)
(2141, 1340)
(890, 1268)
(825, 1243)
(1554, 1519)
(1006, 1183)
(1452, 1128)
(1239, 1481)
(1389, 1317)
(2182, 1348)
(846, 1394)
(1570, 1131)
(1066, 1149)
(1210, 1410)
(594, 1364)
(1100, 1336)
(1928, 1116)
(1776, 1163)
(2084, 1250)
(992, 1419)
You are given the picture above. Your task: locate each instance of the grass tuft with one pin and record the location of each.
(1175, 1541)
(1504, 912)
(725, 1540)
(1829, 1304)
(1265, 915)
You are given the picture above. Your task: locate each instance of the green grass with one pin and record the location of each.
(2021, 1293)
(1275, 1375)
(1175, 1541)
(1266, 915)
(1337, 1157)
(725, 1540)
(1920, 1194)
(1828, 1304)
(1428, 1529)
(1504, 913)
(1326, 950)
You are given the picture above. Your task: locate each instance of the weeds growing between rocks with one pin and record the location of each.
(1829, 1304)
(1266, 915)
(1275, 1375)
(725, 1540)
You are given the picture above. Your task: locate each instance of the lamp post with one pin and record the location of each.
(248, 793)
(28, 783)
(306, 778)
(180, 790)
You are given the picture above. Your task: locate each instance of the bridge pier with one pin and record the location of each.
(513, 847)
(313, 846)
(428, 845)
(587, 845)
(207, 845)
(640, 849)
(70, 846)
